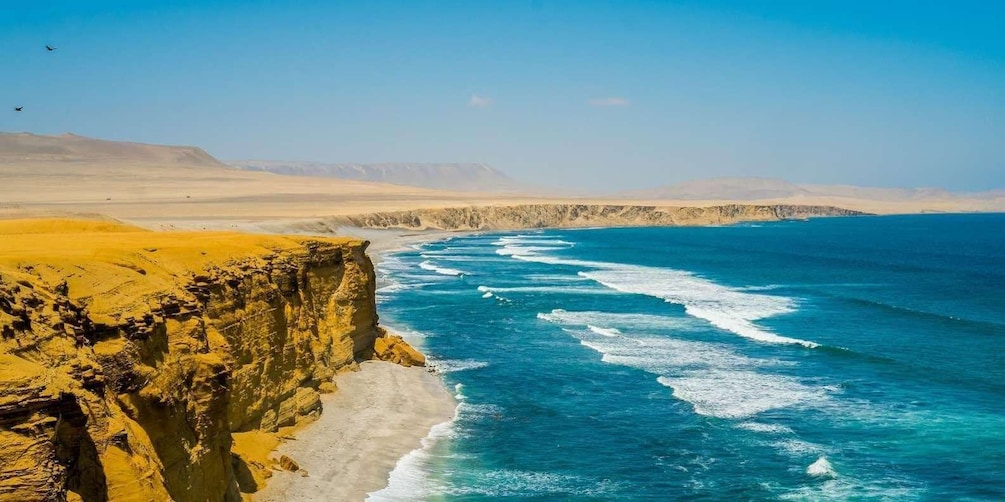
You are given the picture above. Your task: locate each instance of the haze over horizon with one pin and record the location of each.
(588, 95)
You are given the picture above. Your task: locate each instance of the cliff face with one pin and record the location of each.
(576, 215)
(129, 358)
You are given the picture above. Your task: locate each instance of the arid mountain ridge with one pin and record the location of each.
(441, 176)
(754, 188)
(27, 147)
(154, 183)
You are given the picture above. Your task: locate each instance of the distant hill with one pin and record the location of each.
(747, 189)
(465, 177)
(25, 147)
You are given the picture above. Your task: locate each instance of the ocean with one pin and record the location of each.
(837, 358)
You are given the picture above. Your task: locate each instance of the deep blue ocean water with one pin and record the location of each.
(844, 358)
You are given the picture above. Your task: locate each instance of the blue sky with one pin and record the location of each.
(596, 95)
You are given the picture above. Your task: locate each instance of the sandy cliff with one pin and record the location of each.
(582, 215)
(130, 360)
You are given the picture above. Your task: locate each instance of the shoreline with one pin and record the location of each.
(377, 417)
(374, 422)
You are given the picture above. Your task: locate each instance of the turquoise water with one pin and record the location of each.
(845, 358)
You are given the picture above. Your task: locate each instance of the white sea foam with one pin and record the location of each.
(666, 356)
(740, 323)
(393, 287)
(455, 249)
(513, 250)
(555, 278)
(409, 479)
(845, 488)
(767, 287)
(739, 394)
(551, 260)
(409, 275)
(821, 469)
(612, 332)
(462, 258)
(428, 265)
(713, 378)
(764, 428)
(488, 294)
(397, 287)
(798, 448)
(527, 246)
(730, 309)
(531, 240)
(579, 290)
(455, 365)
(725, 308)
(469, 411)
(391, 263)
(633, 322)
(514, 483)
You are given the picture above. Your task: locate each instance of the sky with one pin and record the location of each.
(582, 94)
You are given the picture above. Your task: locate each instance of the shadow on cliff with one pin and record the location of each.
(76, 451)
(245, 478)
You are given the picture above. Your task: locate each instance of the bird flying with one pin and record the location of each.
(18, 108)
(50, 48)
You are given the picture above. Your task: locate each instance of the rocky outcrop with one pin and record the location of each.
(393, 348)
(130, 359)
(578, 215)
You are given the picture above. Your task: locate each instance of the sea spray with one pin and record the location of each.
(821, 469)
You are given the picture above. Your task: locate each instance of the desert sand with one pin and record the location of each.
(184, 188)
(381, 413)
(377, 416)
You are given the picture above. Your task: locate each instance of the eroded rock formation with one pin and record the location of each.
(582, 215)
(129, 359)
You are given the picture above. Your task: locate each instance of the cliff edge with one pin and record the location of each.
(583, 215)
(131, 360)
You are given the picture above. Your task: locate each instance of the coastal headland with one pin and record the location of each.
(139, 365)
(171, 324)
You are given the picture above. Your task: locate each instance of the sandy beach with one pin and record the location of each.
(378, 415)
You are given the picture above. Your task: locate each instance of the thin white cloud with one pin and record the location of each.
(477, 101)
(609, 101)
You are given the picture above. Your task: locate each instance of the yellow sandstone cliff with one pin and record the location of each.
(131, 360)
(582, 215)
